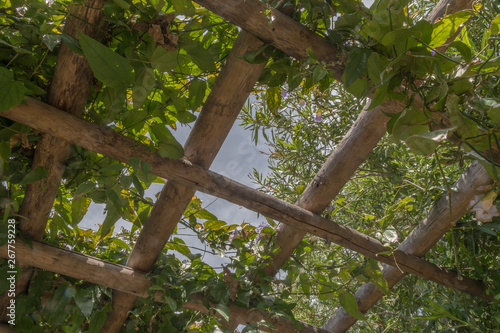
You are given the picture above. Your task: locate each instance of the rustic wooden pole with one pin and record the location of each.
(434, 226)
(429, 231)
(232, 88)
(116, 146)
(130, 281)
(69, 92)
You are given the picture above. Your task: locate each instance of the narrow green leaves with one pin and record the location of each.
(109, 67)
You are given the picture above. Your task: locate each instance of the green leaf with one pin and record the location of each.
(379, 97)
(185, 117)
(122, 3)
(273, 98)
(85, 301)
(109, 67)
(426, 143)
(121, 244)
(144, 85)
(319, 73)
(183, 7)
(161, 133)
(110, 220)
(223, 310)
(171, 150)
(34, 176)
(172, 304)
(495, 25)
(255, 57)
(326, 291)
(51, 41)
(197, 89)
(4, 155)
(460, 87)
(205, 214)
(167, 144)
(494, 114)
(85, 187)
(32, 89)
(97, 320)
(464, 50)
(348, 302)
(11, 91)
(163, 60)
(79, 208)
(446, 27)
(214, 225)
(356, 65)
(465, 126)
(200, 56)
(72, 43)
(411, 121)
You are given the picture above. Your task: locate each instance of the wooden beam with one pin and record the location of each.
(69, 92)
(277, 28)
(129, 280)
(232, 88)
(109, 143)
(352, 150)
(428, 232)
(431, 229)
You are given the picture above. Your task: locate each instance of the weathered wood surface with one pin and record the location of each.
(232, 88)
(352, 150)
(116, 146)
(127, 280)
(276, 28)
(5, 328)
(428, 232)
(68, 91)
(422, 238)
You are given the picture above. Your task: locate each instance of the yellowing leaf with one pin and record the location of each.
(495, 25)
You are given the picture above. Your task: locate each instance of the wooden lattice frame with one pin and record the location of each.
(232, 88)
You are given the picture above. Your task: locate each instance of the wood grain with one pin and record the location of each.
(231, 89)
(116, 146)
(69, 92)
(128, 280)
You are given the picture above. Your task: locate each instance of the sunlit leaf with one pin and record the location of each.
(446, 27)
(426, 143)
(109, 67)
(223, 310)
(348, 302)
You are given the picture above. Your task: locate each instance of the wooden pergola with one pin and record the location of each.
(60, 121)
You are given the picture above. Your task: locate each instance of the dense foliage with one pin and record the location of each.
(155, 66)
